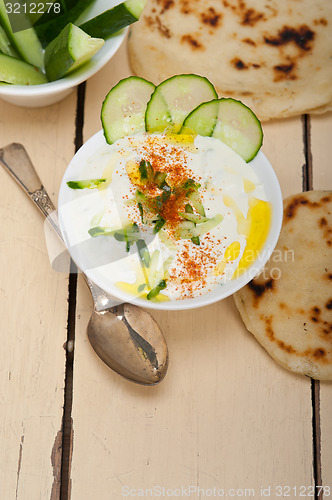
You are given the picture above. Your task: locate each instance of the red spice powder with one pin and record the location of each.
(193, 263)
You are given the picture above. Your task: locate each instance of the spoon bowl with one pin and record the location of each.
(130, 342)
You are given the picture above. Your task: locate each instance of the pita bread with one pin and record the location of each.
(275, 56)
(288, 307)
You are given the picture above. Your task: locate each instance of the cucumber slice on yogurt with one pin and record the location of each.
(123, 110)
(232, 122)
(69, 50)
(174, 99)
(202, 120)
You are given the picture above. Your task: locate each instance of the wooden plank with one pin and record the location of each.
(226, 415)
(321, 147)
(33, 309)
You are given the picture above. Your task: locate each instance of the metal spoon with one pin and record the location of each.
(124, 336)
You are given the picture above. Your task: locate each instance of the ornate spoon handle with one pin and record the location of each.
(16, 161)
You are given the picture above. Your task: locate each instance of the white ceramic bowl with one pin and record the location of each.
(265, 173)
(49, 93)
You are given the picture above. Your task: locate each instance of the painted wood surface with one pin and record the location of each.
(33, 310)
(226, 417)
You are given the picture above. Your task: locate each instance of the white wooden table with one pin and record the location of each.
(225, 420)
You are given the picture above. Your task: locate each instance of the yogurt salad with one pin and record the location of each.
(164, 216)
(206, 208)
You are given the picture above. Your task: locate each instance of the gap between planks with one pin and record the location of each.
(67, 423)
(307, 185)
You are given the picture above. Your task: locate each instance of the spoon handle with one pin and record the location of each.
(16, 161)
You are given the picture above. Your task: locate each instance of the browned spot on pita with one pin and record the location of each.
(211, 17)
(327, 230)
(298, 201)
(259, 289)
(284, 72)
(165, 5)
(193, 42)
(319, 353)
(285, 307)
(321, 21)
(249, 41)
(327, 328)
(270, 333)
(185, 6)
(326, 199)
(157, 24)
(286, 347)
(302, 36)
(250, 17)
(239, 64)
(268, 328)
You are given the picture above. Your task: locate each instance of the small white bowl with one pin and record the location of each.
(265, 173)
(35, 96)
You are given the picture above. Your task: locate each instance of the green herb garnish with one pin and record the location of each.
(195, 240)
(143, 252)
(83, 184)
(140, 208)
(100, 231)
(129, 234)
(159, 223)
(155, 291)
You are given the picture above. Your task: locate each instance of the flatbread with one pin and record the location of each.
(288, 307)
(275, 56)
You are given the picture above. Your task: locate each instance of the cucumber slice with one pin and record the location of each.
(68, 51)
(52, 12)
(51, 29)
(25, 42)
(18, 72)
(232, 122)
(174, 99)
(113, 20)
(5, 45)
(238, 127)
(123, 109)
(202, 119)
